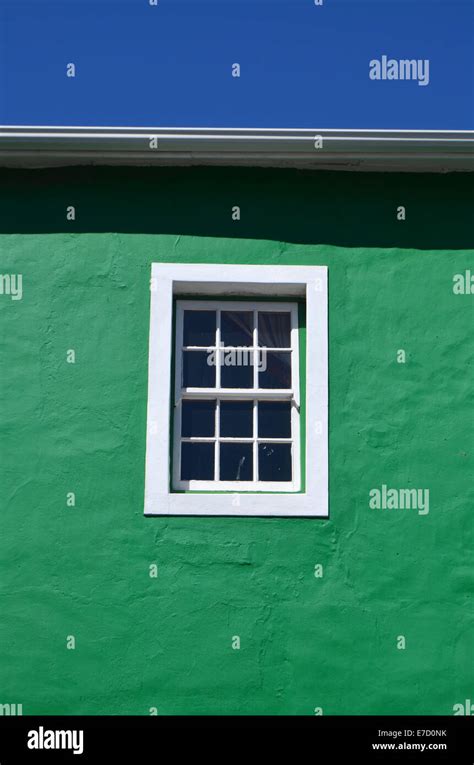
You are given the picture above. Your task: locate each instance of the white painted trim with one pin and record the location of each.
(188, 128)
(175, 279)
(206, 136)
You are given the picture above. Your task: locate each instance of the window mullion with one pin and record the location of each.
(255, 440)
(255, 349)
(217, 453)
(218, 349)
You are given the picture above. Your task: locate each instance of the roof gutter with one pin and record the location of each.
(413, 150)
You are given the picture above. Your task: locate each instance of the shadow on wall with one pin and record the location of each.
(349, 209)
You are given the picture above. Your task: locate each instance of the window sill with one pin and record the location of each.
(228, 504)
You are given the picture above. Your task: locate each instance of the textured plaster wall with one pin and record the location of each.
(83, 571)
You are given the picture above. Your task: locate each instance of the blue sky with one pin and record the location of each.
(302, 66)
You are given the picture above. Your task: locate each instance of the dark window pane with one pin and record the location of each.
(237, 419)
(199, 369)
(236, 462)
(198, 418)
(237, 328)
(274, 419)
(274, 462)
(277, 370)
(197, 462)
(199, 328)
(235, 376)
(274, 329)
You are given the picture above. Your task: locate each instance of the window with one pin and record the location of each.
(236, 406)
(228, 432)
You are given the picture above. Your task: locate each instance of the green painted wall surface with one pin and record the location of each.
(306, 642)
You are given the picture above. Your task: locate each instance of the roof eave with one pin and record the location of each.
(390, 150)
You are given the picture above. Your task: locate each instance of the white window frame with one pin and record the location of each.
(232, 394)
(169, 280)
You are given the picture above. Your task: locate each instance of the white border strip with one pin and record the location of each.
(400, 132)
(235, 137)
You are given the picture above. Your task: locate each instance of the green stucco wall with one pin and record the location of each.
(83, 571)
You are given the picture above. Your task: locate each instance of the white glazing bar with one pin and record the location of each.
(217, 454)
(277, 394)
(247, 348)
(235, 440)
(197, 439)
(255, 440)
(255, 349)
(218, 346)
(264, 440)
(198, 347)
